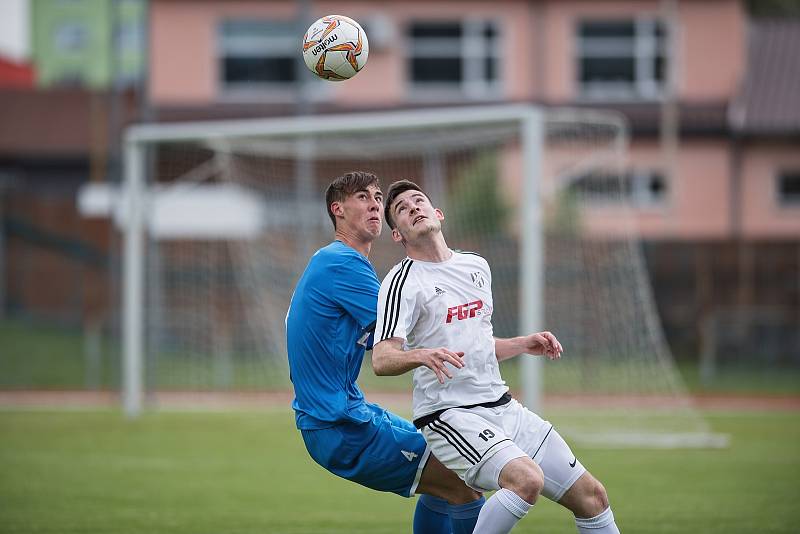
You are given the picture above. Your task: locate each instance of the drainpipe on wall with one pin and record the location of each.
(737, 119)
(670, 118)
(537, 15)
(744, 251)
(304, 146)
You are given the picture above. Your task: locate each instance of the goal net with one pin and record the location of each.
(221, 219)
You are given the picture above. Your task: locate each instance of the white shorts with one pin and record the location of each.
(476, 443)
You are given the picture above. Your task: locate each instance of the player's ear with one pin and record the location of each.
(396, 237)
(439, 214)
(337, 208)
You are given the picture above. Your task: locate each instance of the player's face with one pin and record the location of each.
(362, 213)
(414, 216)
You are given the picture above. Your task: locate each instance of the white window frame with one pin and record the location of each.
(66, 35)
(130, 38)
(471, 48)
(640, 195)
(268, 44)
(644, 47)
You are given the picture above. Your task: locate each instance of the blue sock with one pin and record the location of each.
(464, 516)
(430, 516)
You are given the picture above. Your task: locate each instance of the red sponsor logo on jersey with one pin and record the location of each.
(463, 311)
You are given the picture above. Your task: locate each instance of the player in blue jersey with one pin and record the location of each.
(329, 327)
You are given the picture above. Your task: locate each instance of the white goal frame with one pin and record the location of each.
(531, 120)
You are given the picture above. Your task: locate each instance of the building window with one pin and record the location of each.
(456, 55)
(130, 38)
(638, 188)
(789, 188)
(621, 59)
(255, 54)
(70, 37)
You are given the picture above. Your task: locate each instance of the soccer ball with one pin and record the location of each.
(335, 48)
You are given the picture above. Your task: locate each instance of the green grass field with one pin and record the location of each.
(68, 471)
(247, 472)
(46, 357)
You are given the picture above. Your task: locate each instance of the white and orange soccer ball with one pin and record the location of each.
(335, 48)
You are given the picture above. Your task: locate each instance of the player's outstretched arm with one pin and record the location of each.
(538, 344)
(389, 359)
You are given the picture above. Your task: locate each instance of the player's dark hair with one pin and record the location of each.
(346, 185)
(396, 189)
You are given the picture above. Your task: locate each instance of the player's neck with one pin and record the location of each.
(359, 245)
(432, 248)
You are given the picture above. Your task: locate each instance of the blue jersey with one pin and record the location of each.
(328, 329)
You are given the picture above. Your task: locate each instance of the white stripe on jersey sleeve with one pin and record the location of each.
(393, 310)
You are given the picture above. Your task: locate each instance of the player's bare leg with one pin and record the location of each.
(586, 498)
(521, 481)
(588, 501)
(524, 477)
(439, 481)
(444, 493)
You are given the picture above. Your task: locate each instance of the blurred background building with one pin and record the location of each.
(94, 44)
(710, 89)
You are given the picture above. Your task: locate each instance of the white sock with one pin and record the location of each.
(599, 524)
(501, 512)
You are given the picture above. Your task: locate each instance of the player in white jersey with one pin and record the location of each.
(434, 317)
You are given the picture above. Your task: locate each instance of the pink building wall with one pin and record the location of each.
(713, 50)
(183, 51)
(697, 204)
(763, 217)
(710, 56)
(538, 65)
(184, 67)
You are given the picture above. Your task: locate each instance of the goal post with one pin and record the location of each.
(133, 204)
(532, 253)
(139, 137)
(219, 219)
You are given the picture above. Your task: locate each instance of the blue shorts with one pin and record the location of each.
(386, 453)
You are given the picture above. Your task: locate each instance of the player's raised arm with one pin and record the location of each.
(538, 344)
(389, 359)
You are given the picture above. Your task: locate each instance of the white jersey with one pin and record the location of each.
(446, 304)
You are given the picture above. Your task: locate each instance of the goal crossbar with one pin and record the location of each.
(207, 272)
(138, 137)
(318, 124)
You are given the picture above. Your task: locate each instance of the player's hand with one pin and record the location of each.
(435, 360)
(543, 344)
